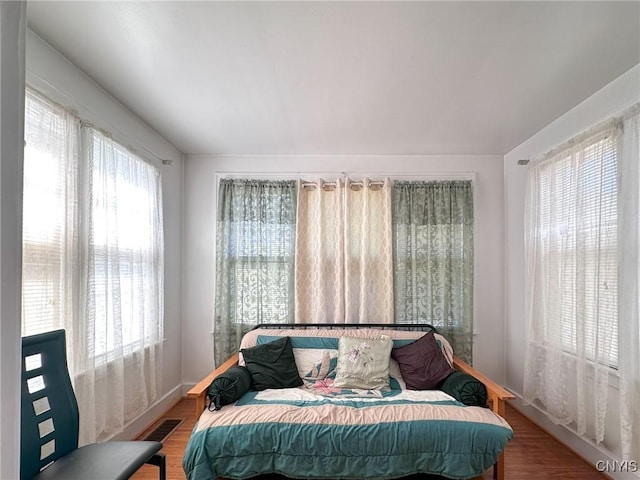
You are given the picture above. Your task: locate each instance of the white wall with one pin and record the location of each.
(607, 102)
(199, 237)
(53, 75)
(12, 30)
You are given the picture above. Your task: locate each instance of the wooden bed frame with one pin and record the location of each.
(497, 395)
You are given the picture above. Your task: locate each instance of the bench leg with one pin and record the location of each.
(160, 461)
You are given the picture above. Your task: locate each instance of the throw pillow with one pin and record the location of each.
(272, 365)
(422, 363)
(316, 357)
(363, 363)
(466, 389)
(228, 387)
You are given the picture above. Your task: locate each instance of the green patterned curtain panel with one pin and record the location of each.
(255, 242)
(433, 258)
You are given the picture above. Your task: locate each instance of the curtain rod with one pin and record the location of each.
(603, 129)
(328, 186)
(614, 123)
(121, 138)
(631, 111)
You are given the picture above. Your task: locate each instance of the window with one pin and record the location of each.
(93, 263)
(577, 232)
(124, 248)
(254, 258)
(117, 242)
(48, 219)
(571, 243)
(433, 258)
(261, 251)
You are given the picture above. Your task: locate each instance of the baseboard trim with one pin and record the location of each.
(186, 387)
(587, 451)
(138, 425)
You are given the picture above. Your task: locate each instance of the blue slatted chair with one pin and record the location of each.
(49, 424)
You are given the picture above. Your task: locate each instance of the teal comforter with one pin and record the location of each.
(345, 434)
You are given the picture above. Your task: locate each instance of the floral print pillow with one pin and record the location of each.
(363, 363)
(320, 365)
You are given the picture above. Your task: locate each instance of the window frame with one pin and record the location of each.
(569, 325)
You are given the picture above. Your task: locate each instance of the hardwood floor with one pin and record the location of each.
(174, 445)
(532, 454)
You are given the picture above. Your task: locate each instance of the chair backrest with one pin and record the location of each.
(49, 418)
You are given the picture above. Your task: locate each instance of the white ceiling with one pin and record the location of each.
(345, 77)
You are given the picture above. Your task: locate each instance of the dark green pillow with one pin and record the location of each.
(272, 365)
(228, 387)
(466, 389)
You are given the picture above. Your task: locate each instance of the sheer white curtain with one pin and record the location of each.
(93, 263)
(344, 270)
(368, 252)
(124, 287)
(319, 253)
(629, 308)
(50, 242)
(571, 273)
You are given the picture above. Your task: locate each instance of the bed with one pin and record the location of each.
(321, 431)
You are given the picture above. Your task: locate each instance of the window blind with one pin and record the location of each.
(51, 137)
(578, 241)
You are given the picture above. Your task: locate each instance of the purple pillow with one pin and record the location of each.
(422, 363)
